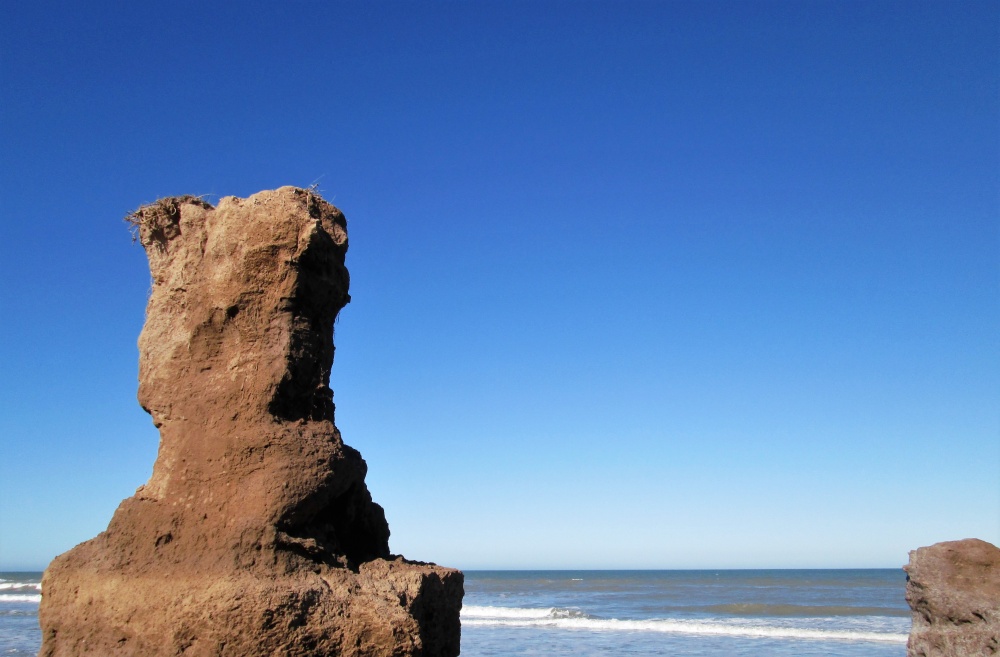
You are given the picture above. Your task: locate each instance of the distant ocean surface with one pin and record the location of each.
(684, 613)
(667, 613)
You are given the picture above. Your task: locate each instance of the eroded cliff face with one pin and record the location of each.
(953, 589)
(256, 534)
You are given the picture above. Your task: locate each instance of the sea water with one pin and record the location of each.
(682, 613)
(20, 594)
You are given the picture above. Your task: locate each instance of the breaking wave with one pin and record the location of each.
(8, 586)
(20, 597)
(571, 619)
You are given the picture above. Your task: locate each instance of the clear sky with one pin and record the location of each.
(636, 284)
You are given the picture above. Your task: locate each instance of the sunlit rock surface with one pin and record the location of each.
(953, 589)
(256, 534)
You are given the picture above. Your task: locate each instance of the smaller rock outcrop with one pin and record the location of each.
(953, 589)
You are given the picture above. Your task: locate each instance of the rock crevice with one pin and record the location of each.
(256, 534)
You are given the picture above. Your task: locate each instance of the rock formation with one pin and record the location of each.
(256, 534)
(953, 589)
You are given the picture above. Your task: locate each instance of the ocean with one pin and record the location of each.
(684, 613)
(20, 594)
(666, 613)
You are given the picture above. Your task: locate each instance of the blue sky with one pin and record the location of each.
(635, 284)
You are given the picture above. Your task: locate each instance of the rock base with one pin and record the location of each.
(386, 609)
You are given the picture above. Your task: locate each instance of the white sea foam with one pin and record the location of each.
(20, 597)
(574, 620)
(7, 586)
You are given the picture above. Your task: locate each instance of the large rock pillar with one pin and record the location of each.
(256, 534)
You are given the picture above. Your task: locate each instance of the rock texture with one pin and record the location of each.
(256, 534)
(953, 589)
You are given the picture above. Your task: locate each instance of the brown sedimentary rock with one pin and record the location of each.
(256, 534)
(953, 589)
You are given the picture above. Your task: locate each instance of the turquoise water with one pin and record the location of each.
(751, 613)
